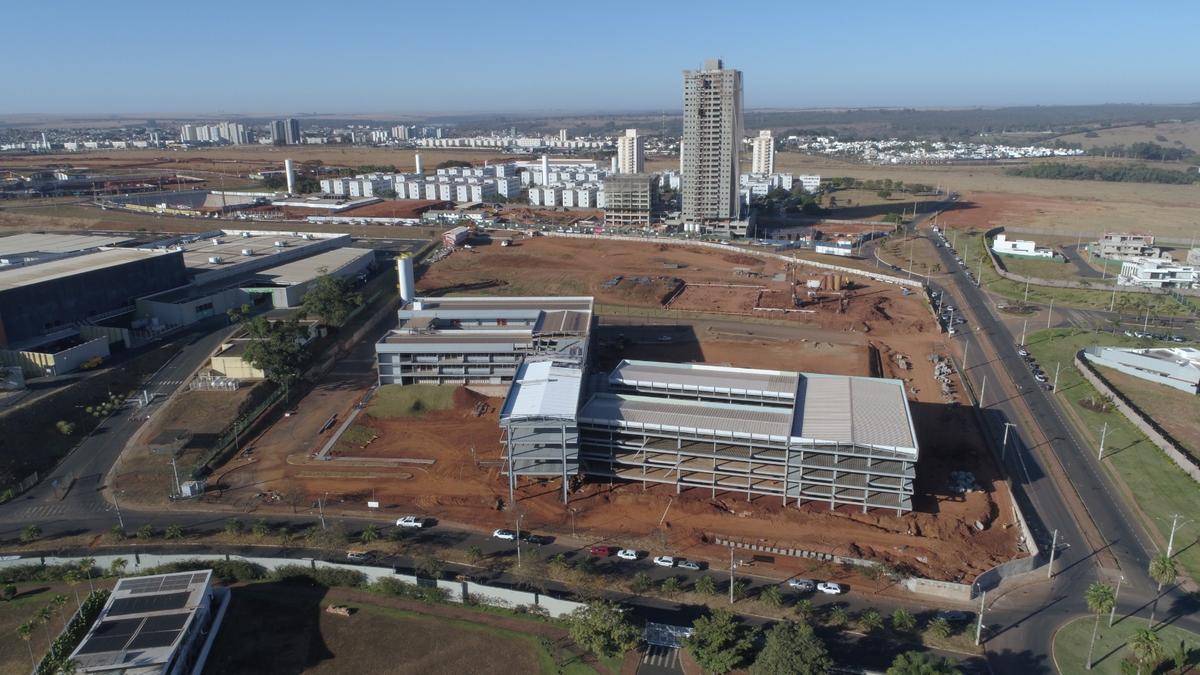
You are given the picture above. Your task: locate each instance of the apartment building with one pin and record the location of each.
(1157, 273)
(763, 153)
(630, 155)
(710, 147)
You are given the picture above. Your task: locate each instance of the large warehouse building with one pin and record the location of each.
(481, 340)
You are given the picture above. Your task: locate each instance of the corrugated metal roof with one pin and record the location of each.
(562, 321)
(542, 389)
(775, 383)
(730, 419)
(858, 410)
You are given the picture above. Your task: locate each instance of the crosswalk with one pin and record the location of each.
(52, 510)
(659, 657)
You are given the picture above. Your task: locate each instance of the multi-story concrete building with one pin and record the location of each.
(278, 132)
(710, 147)
(1157, 273)
(810, 183)
(1123, 246)
(629, 200)
(291, 131)
(763, 155)
(630, 156)
(482, 340)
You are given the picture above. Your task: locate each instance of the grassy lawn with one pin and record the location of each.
(1041, 268)
(283, 627)
(1157, 485)
(895, 250)
(393, 400)
(356, 437)
(970, 249)
(1112, 644)
(1177, 411)
(31, 597)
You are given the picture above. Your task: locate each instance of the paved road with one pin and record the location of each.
(1041, 443)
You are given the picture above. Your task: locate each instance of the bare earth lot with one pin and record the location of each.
(1176, 411)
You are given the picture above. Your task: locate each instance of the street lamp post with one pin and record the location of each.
(1024, 325)
(1053, 550)
(1050, 313)
(519, 517)
(1103, 435)
(731, 573)
(979, 625)
(1113, 610)
(982, 392)
(321, 508)
(1054, 387)
(1004, 444)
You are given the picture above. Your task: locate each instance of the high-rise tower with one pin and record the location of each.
(711, 143)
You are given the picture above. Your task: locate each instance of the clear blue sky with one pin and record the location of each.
(423, 56)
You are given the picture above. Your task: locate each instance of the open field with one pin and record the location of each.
(1112, 644)
(1176, 411)
(918, 248)
(1170, 134)
(31, 597)
(446, 463)
(1151, 480)
(282, 627)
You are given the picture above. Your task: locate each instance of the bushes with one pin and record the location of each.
(399, 589)
(322, 576)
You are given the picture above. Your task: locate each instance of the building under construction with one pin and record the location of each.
(800, 437)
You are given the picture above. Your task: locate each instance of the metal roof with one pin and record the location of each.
(27, 275)
(857, 410)
(542, 389)
(706, 378)
(563, 321)
(34, 243)
(489, 303)
(306, 269)
(649, 413)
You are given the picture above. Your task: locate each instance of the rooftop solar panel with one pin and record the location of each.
(150, 603)
(155, 639)
(100, 645)
(166, 622)
(117, 627)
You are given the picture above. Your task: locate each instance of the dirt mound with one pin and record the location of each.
(465, 399)
(739, 259)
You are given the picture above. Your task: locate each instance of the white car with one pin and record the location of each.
(629, 554)
(507, 535)
(829, 588)
(410, 521)
(664, 561)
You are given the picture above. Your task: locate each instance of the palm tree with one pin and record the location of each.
(72, 579)
(1163, 570)
(173, 532)
(86, 565)
(59, 601)
(369, 534)
(25, 631)
(43, 617)
(920, 663)
(1147, 647)
(117, 566)
(1100, 599)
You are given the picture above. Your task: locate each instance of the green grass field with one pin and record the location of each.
(1158, 486)
(393, 400)
(1112, 644)
(1176, 411)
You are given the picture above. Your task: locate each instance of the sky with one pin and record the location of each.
(423, 57)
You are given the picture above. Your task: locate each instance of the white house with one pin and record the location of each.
(1156, 273)
(1178, 367)
(1022, 247)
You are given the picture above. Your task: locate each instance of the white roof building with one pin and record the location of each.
(1177, 367)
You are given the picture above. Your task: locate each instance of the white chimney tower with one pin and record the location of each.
(417, 158)
(613, 168)
(290, 168)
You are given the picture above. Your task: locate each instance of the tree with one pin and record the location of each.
(58, 602)
(10, 592)
(452, 163)
(771, 596)
(884, 194)
(278, 348)
(64, 427)
(71, 578)
(838, 616)
(429, 566)
(43, 616)
(740, 586)
(238, 314)
(792, 649)
(705, 585)
(603, 628)
(870, 620)
(86, 566)
(369, 534)
(641, 583)
(117, 532)
(903, 620)
(474, 555)
(261, 528)
(117, 566)
(30, 534)
(1147, 648)
(1163, 570)
(234, 527)
(719, 642)
(25, 631)
(940, 628)
(173, 532)
(670, 587)
(920, 663)
(145, 532)
(805, 609)
(331, 298)
(1100, 598)
(386, 193)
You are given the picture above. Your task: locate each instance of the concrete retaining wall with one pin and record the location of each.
(746, 251)
(1144, 423)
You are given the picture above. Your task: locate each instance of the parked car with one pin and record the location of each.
(1022, 351)
(629, 554)
(689, 565)
(538, 539)
(1039, 376)
(358, 556)
(664, 561)
(830, 588)
(410, 521)
(507, 535)
(803, 585)
(602, 551)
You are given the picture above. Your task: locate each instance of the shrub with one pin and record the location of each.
(641, 583)
(234, 527)
(328, 577)
(903, 620)
(940, 628)
(145, 532)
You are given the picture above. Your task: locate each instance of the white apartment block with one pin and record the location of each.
(1157, 273)
(763, 155)
(810, 183)
(1021, 247)
(545, 195)
(669, 180)
(630, 155)
(758, 185)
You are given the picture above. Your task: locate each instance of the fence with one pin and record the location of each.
(1157, 435)
(745, 251)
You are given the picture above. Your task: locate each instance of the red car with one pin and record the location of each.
(602, 551)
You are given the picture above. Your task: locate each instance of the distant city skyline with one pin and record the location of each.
(563, 58)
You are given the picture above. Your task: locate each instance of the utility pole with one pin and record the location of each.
(966, 346)
(519, 517)
(1053, 550)
(175, 470)
(1054, 387)
(1024, 325)
(1146, 323)
(321, 508)
(1103, 435)
(731, 573)
(1171, 539)
(1004, 445)
(979, 276)
(982, 391)
(979, 626)
(117, 505)
(1050, 314)
(1026, 289)
(1113, 610)
(1113, 302)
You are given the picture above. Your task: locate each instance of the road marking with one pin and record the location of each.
(661, 657)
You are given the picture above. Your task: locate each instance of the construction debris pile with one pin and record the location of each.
(943, 371)
(962, 482)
